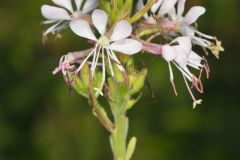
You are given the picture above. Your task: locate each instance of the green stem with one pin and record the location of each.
(118, 137)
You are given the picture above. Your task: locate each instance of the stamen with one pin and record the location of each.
(195, 102)
(171, 78)
(84, 61)
(94, 65)
(99, 90)
(206, 67)
(184, 71)
(205, 35)
(113, 56)
(197, 83)
(110, 63)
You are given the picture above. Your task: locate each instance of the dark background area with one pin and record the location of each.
(40, 120)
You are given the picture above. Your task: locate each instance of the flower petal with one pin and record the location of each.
(64, 3)
(127, 46)
(181, 59)
(169, 52)
(185, 43)
(193, 14)
(123, 29)
(78, 4)
(89, 6)
(187, 31)
(82, 29)
(195, 60)
(100, 19)
(166, 6)
(54, 13)
(172, 14)
(156, 6)
(181, 7)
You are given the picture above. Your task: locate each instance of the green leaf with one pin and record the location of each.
(131, 147)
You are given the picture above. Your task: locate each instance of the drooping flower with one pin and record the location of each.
(68, 62)
(62, 15)
(108, 42)
(186, 28)
(182, 56)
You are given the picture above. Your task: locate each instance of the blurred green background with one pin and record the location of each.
(40, 120)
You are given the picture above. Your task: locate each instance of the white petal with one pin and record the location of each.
(100, 19)
(83, 29)
(54, 13)
(181, 7)
(78, 3)
(193, 14)
(123, 29)
(172, 14)
(181, 59)
(127, 46)
(169, 52)
(64, 3)
(166, 6)
(195, 60)
(156, 6)
(187, 31)
(89, 6)
(185, 43)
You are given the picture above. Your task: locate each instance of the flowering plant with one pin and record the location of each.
(115, 31)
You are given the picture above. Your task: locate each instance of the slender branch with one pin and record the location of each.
(101, 114)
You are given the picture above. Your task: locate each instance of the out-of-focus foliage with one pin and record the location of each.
(40, 120)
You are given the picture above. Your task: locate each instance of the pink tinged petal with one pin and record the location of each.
(54, 13)
(100, 19)
(193, 14)
(89, 6)
(169, 52)
(82, 29)
(156, 6)
(123, 29)
(127, 46)
(64, 3)
(166, 7)
(181, 7)
(78, 3)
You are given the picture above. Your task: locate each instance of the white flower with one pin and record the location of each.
(182, 56)
(160, 8)
(106, 44)
(186, 28)
(62, 15)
